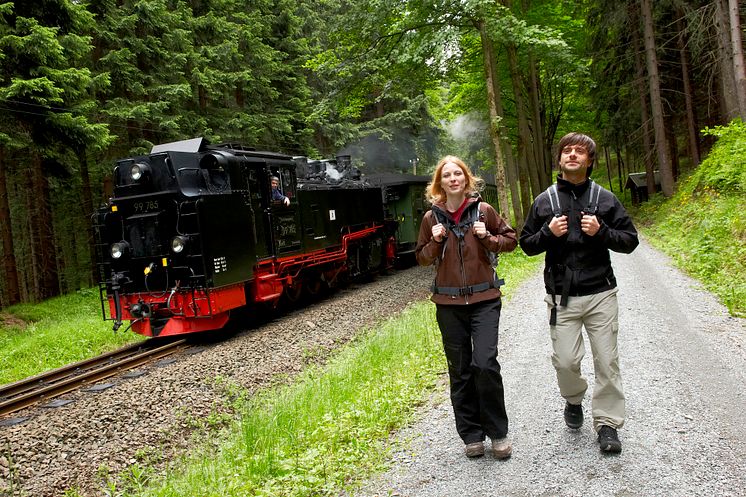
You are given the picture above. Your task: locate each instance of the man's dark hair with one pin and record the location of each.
(578, 139)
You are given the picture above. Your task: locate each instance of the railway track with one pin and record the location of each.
(46, 386)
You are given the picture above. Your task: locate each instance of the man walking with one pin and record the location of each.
(576, 222)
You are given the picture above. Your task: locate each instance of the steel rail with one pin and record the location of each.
(29, 391)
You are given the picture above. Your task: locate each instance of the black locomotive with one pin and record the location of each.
(192, 232)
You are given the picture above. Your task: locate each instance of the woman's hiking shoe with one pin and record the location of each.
(608, 440)
(474, 449)
(573, 415)
(502, 448)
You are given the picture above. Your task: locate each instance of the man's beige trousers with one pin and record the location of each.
(598, 314)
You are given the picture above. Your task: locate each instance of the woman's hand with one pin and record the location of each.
(480, 229)
(439, 232)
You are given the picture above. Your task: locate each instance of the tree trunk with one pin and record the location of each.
(491, 75)
(620, 168)
(524, 181)
(44, 231)
(512, 173)
(541, 154)
(32, 265)
(521, 189)
(608, 168)
(691, 121)
(673, 146)
(511, 169)
(644, 111)
(629, 156)
(661, 144)
(12, 294)
(524, 134)
(729, 103)
(85, 181)
(738, 63)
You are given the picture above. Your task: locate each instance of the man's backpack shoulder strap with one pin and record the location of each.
(554, 201)
(594, 196)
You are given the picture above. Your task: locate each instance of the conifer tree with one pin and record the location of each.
(46, 89)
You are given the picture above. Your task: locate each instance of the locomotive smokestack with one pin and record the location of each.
(344, 162)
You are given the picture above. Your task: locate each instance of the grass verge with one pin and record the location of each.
(40, 337)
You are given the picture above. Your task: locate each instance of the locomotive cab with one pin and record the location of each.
(282, 221)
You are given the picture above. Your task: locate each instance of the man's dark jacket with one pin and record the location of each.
(577, 260)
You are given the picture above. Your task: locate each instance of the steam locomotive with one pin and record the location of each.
(192, 232)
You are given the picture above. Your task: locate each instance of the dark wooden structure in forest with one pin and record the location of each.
(637, 184)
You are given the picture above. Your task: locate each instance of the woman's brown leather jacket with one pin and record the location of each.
(465, 272)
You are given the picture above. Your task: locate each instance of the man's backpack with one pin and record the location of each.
(594, 193)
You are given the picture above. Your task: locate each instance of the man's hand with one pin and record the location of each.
(589, 224)
(439, 232)
(286, 201)
(558, 226)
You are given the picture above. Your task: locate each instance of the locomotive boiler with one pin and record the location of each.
(192, 232)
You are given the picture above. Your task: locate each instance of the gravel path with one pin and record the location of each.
(684, 373)
(149, 419)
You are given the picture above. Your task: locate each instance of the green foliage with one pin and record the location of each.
(370, 76)
(703, 226)
(217, 68)
(724, 169)
(544, 36)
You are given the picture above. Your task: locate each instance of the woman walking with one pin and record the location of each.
(463, 235)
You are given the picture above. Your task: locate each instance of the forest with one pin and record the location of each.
(393, 83)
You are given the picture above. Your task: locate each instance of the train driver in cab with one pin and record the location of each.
(277, 194)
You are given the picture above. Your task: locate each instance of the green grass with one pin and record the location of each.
(39, 337)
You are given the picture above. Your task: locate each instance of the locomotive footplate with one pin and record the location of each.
(179, 311)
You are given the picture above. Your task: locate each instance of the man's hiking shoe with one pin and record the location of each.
(475, 449)
(573, 415)
(501, 448)
(608, 440)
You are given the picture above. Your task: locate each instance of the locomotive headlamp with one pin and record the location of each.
(119, 249)
(138, 171)
(178, 244)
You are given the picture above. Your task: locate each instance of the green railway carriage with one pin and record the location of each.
(404, 202)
